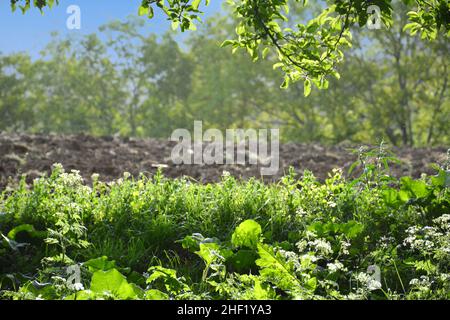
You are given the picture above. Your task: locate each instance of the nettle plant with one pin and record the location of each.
(305, 51)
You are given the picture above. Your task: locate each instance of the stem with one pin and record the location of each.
(400, 278)
(274, 40)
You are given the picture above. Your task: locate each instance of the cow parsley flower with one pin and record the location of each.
(322, 246)
(332, 204)
(78, 286)
(368, 281)
(345, 245)
(301, 245)
(336, 266)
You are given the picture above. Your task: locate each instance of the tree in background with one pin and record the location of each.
(155, 77)
(306, 51)
(227, 89)
(402, 85)
(172, 87)
(126, 81)
(15, 73)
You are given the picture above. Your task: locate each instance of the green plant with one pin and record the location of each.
(296, 239)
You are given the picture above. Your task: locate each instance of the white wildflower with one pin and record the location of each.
(78, 286)
(310, 234)
(414, 282)
(302, 245)
(291, 257)
(336, 266)
(332, 204)
(345, 245)
(322, 246)
(368, 281)
(300, 212)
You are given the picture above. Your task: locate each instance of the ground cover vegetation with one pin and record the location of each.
(373, 237)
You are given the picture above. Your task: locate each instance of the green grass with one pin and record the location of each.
(165, 238)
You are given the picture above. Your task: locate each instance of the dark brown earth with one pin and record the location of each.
(34, 155)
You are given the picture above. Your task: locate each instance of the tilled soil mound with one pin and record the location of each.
(110, 157)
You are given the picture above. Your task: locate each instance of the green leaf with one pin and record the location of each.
(22, 228)
(285, 83)
(161, 272)
(154, 294)
(227, 43)
(307, 88)
(143, 11)
(442, 179)
(275, 269)
(81, 295)
(352, 229)
(262, 291)
(426, 266)
(243, 260)
(418, 188)
(390, 197)
(175, 25)
(12, 244)
(196, 4)
(247, 234)
(101, 263)
(209, 252)
(172, 283)
(112, 281)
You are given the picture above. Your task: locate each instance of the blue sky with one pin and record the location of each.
(31, 32)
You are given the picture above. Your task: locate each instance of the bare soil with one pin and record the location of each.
(110, 157)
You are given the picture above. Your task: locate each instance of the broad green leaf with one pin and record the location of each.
(112, 281)
(172, 283)
(154, 294)
(101, 263)
(243, 260)
(82, 295)
(275, 269)
(209, 252)
(247, 234)
(22, 228)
